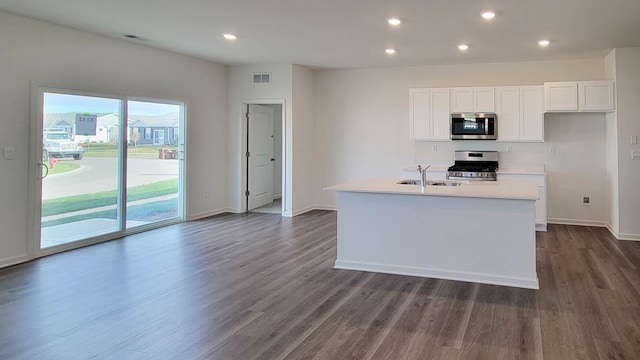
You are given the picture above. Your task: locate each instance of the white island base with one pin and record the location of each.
(475, 239)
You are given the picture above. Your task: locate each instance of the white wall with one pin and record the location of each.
(243, 90)
(60, 57)
(611, 139)
(627, 72)
(362, 129)
(303, 139)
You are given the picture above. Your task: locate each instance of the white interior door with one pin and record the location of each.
(260, 159)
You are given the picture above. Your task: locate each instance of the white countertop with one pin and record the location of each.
(475, 189)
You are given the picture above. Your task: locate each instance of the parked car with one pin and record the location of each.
(58, 144)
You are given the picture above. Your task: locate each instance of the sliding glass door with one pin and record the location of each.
(154, 160)
(97, 151)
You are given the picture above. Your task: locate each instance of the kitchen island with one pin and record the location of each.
(480, 232)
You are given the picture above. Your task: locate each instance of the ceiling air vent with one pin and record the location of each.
(261, 78)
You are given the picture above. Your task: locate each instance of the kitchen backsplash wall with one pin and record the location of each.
(362, 129)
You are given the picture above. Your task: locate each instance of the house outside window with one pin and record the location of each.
(147, 133)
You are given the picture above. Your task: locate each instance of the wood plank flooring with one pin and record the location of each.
(258, 286)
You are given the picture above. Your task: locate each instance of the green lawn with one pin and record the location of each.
(62, 167)
(136, 212)
(90, 201)
(111, 150)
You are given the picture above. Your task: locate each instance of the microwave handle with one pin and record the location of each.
(486, 125)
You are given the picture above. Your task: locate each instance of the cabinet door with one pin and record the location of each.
(531, 114)
(462, 100)
(419, 124)
(561, 96)
(508, 112)
(596, 95)
(484, 100)
(440, 114)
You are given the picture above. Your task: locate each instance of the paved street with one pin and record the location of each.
(100, 174)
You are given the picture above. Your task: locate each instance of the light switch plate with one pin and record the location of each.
(9, 153)
(635, 154)
(634, 140)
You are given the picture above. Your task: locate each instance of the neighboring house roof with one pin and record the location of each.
(167, 120)
(108, 120)
(59, 120)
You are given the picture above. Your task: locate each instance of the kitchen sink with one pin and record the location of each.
(430, 183)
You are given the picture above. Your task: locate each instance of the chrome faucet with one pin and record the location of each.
(423, 174)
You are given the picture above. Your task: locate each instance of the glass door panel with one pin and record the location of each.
(153, 163)
(80, 194)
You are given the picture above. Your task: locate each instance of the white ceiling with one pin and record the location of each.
(354, 33)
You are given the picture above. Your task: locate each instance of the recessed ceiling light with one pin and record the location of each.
(229, 36)
(488, 15)
(463, 47)
(394, 21)
(390, 51)
(544, 42)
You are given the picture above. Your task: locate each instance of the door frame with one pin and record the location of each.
(286, 153)
(34, 219)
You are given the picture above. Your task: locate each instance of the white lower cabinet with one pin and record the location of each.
(539, 180)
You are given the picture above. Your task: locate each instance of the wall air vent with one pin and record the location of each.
(261, 78)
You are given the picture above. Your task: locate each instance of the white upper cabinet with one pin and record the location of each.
(429, 114)
(531, 114)
(596, 95)
(484, 100)
(561, 96)
(461, 100)
(419, 122)
(520, 113)
(479, 100)
(508, 112)
(579, 96)
(440, 114)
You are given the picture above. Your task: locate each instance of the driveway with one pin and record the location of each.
(101, 174)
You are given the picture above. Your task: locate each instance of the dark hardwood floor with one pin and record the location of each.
(259, 286)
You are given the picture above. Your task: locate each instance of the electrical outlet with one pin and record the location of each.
(435, 147)
(509, 148)
(206, 194)
(634, 140)
(552, 151)
(586, 200)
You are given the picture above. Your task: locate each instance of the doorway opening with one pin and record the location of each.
(264, 153)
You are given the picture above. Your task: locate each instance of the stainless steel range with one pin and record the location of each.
(474, 165)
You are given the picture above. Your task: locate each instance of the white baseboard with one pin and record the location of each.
(617, 235)
(14, 261)
(623, 236)
(210, 213)
(326, 207)
(304, 210)
(438, 274)
(276, 197)
(577, 222)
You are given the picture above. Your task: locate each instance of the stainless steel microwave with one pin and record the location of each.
(474, 126)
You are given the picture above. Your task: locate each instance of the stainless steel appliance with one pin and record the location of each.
(474, 126)
(474, 165)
